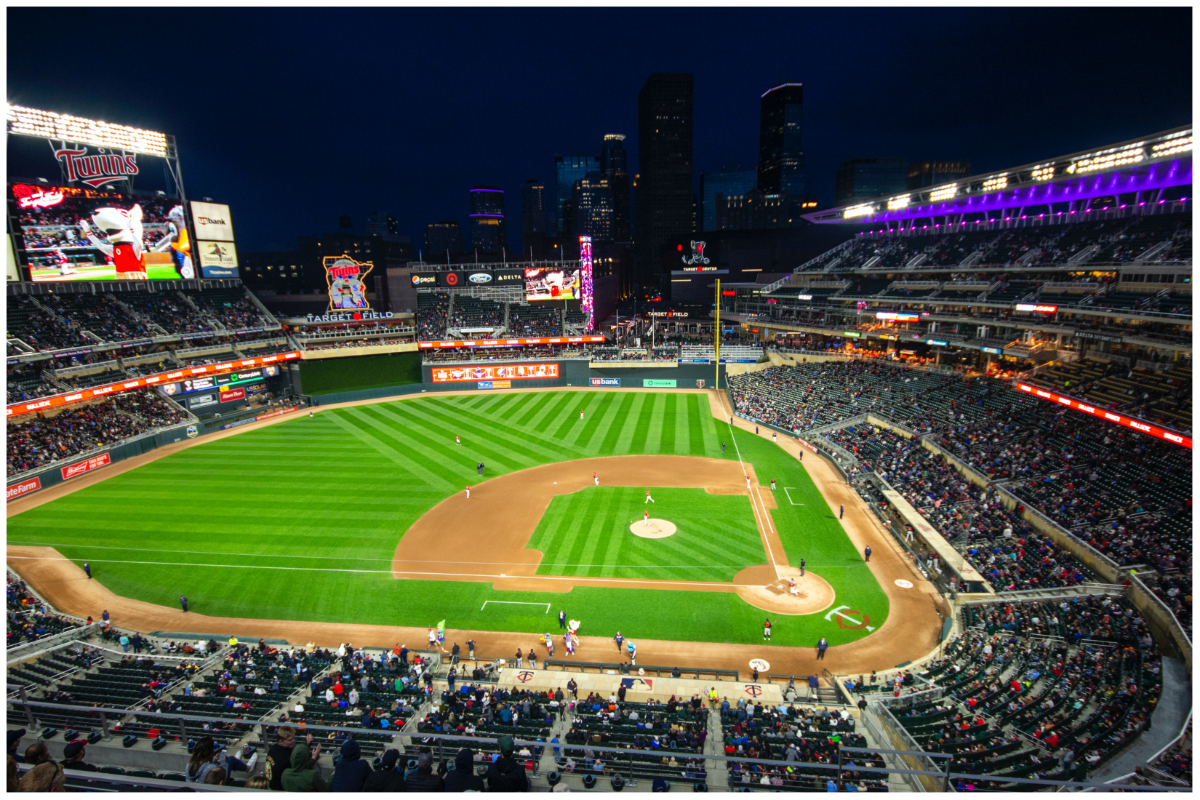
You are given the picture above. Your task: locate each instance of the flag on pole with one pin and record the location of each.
(441, 632)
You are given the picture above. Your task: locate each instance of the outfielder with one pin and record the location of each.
(457, 440)
(649, 499)
(581, 414)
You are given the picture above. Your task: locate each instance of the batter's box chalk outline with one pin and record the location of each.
(787, 491)
(514, 603)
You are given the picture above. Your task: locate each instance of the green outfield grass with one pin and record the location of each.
(300, 520)
(587, 534)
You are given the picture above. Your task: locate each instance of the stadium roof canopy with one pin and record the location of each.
(1161, 161)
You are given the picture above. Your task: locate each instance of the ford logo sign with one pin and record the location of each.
(481, 277)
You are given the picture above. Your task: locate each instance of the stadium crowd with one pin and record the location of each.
(42, 440)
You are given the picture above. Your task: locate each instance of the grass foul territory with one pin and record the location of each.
(300, 520)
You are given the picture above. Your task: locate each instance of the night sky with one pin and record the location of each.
(294, 117)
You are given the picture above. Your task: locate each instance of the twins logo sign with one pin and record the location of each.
(697, 256)
(344, 277)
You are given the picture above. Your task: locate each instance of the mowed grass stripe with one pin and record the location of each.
(697, 421)
(553, 535)
(638, 424)
(594, 411)
(667, 429)
(460, 459)
(516, 406)
(535, 410)
(479, 432)
(438, 467)
(358, 429)
(552, 415)
(614, 421)
(654, 424)
(683, 419)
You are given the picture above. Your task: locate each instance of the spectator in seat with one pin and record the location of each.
(45, 777)
(423, 778)
(505, 774)
(387, 778)
(73, 756)
(303, 775)
(351, 771)
(463, 778)
(279, 755)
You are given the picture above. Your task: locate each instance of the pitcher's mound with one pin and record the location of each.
(653, 529)
(759, 587)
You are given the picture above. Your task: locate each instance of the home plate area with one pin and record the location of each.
(760, 587)
(653, 528)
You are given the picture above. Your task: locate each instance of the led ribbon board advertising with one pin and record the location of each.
(512, 372)
(43, 403)
(1110, 416)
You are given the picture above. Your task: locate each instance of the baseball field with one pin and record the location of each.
(360, 514)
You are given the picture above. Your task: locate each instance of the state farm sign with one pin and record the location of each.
(24, 487)
(77, 469)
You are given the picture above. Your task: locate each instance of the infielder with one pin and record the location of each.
(747, 482)
(772, 484)
(646, 518)
(649, 499)
(468, 491)
(596, 478)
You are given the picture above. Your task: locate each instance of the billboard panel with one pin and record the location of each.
(70, 234)
(510, 372)
(217, 259)
(344, 281)
(553, 283)
(212, 221)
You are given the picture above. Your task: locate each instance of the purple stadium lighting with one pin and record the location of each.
(497, 216)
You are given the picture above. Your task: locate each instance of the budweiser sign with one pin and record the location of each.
(96, 170)
(95, 462)
(24, 487)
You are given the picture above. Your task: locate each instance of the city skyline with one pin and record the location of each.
(417, 157)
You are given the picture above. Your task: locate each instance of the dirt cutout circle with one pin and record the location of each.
(653, 528)
(760, 587)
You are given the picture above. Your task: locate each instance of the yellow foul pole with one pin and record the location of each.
(717, 339)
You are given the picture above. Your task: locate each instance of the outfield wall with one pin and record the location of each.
(581, 373)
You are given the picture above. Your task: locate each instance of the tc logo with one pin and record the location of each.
(697, 256)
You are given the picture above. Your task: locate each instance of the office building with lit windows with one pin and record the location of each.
(487, 220)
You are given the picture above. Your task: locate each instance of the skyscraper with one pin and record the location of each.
(861, 179)
(487, 219)
(567, 170)
(664, 201)
(932, 173)
(442, 240)
(780, 158)
(379, 224)
(729, 184)
(613, 168)
(591, 209)
(533, 218)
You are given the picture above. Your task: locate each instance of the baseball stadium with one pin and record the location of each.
(913, 515)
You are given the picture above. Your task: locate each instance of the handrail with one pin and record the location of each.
(563, 665)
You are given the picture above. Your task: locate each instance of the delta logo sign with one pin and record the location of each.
(97, 170)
